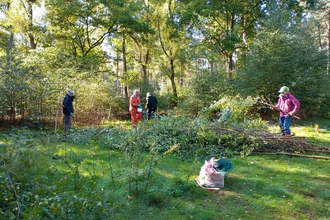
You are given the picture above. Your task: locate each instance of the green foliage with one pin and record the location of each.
(82, 136)
(77, 47)
(132, 79)
(239, 145)
(114, 173)
(206, 87)
(196, 140)
(234, 112)
(20, 148)
(285, 55)
(226, 145)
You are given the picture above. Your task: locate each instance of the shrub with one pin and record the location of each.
(233, 112)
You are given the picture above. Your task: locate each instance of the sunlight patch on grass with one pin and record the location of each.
(307, 131)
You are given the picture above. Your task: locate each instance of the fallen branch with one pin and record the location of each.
(273, 143)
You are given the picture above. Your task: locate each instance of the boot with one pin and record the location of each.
(287, 134)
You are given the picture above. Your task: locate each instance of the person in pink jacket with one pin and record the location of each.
(288, 106)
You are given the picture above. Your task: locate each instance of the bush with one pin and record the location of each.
(234, 112)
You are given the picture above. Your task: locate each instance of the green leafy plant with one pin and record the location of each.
(143, 175)
(234, 112)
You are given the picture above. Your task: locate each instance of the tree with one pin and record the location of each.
(84, 23)
(225, 27)
(320, 11)
(285, 53)
(172, 41)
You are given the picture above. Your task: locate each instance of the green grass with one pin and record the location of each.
(307, 129)
(61, 180)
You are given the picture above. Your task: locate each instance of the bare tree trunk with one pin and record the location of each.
(118, 85)
(172, 78)
(230, 24)
(33, 44)
(145, 66)
(124, 64)
(329, 41)
(229, 64)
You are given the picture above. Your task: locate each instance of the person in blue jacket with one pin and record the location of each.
(68, 109)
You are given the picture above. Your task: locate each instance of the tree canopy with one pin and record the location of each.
(188, 53)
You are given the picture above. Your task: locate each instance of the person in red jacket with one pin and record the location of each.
(288, 106)
(135, 108)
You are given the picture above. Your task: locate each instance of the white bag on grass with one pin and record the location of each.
(209, 177)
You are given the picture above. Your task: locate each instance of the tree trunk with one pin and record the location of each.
(172, 78)
(145, 66)
(118, 85)
(8, 51)
(229, 65)
(124, 65)
(33, 44)
(329, 41)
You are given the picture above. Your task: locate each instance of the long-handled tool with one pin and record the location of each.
(272, 106)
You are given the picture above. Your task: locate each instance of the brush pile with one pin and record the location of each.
(275, 144)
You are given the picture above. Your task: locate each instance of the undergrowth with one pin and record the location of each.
(41, 176)
(102, 173)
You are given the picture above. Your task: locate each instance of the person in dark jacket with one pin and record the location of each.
(68, 109)
(151, 104)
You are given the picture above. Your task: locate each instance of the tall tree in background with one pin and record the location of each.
(225, 26)
(176, 46)
(320, 10)
(133, 25)
(17, 21)
(285, 53)
(31, 27)
(7, 34)
(144, 41)
(172, 41)
(7, 44)
(84, 23)
(25, 23)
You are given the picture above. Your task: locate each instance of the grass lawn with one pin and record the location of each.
(63, 180)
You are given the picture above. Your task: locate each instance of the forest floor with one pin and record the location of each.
(65, 180)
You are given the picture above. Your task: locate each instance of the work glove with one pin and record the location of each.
(71, 115)
(139, 105)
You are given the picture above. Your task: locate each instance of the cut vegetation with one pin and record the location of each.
(118, 173)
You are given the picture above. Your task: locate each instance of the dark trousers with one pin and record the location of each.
(67, 122)
(150, 112)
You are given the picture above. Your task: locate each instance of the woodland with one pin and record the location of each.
(215, 67)
(187, 53)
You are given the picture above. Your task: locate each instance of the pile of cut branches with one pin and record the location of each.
(293, 146)
(275, 144)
